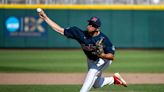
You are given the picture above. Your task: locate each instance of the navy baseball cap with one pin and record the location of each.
(95, 21)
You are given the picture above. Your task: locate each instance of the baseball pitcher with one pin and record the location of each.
(97, 47)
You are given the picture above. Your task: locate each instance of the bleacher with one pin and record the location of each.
(108, 2)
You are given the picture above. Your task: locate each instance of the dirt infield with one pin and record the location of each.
(74, 78)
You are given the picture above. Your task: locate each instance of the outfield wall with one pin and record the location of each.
(126, 26)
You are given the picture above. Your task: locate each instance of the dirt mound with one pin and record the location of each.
(74, 78)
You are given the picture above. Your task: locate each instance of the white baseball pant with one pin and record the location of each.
(93, 77)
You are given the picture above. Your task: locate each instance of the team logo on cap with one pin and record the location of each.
(94, 19)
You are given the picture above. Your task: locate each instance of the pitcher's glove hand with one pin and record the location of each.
(99, 47)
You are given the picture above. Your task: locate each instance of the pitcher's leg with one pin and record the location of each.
(102, 81)
(89, 80)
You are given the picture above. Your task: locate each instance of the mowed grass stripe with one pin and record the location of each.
(76, 88)
(141, 61)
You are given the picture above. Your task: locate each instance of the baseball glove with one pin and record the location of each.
(99, 47)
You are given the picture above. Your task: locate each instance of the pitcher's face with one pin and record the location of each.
(90, 28)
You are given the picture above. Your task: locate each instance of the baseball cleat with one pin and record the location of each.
(118, 80)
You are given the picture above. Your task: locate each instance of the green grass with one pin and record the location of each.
(76, 88)
(149, 61)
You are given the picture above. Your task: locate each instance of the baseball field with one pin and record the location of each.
(64, 70)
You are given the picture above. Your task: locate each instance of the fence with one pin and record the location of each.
(128, 27)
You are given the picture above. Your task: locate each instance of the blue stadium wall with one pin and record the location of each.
(127, 27)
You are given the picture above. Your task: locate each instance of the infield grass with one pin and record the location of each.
(76, 88)
(128, 61)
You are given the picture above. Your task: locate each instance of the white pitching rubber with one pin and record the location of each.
(38, 9)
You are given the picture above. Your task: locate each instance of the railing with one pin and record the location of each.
(108, 2)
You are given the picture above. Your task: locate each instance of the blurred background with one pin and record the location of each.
(145, 2)
(136, 24)
(29, 45)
